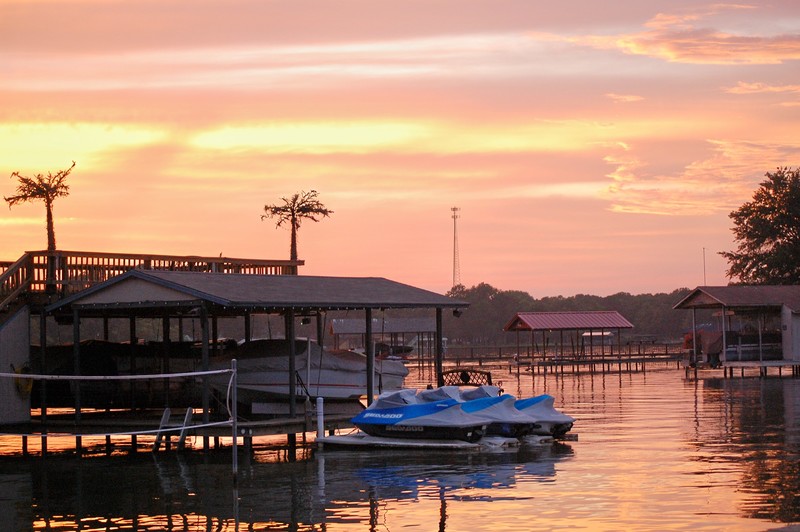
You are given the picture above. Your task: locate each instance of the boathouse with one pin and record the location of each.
(753, 325)
(580, 327)
(74, 287)
(176, 294)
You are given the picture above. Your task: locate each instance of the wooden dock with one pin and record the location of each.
(148, 430)
(758, 368)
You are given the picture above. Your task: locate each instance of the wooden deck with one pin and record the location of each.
(763, 368)
(142, 429)
(61, 273)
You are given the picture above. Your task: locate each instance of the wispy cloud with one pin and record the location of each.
(714, 185)
(760, 88)
(624, 98)
(692, 38)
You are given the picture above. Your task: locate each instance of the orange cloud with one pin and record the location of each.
(714, 185)
(755, 88)
(624, 98)
(679, 38)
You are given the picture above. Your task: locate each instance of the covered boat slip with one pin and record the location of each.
(582, 330)
(204, 296)
(754, 326)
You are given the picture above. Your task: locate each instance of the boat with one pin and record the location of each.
(263, 371)
(549, 421)
(402, 414)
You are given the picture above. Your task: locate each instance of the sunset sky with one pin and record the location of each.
(592, 147)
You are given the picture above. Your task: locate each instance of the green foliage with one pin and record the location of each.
(767, 230)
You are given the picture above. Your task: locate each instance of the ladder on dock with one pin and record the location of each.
(165, 428)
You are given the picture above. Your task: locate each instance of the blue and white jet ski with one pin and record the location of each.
(486, 403)
(401, 414)
(549, 421)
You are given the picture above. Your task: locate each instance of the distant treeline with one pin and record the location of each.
(490, 309)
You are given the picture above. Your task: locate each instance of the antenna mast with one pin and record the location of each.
(456, 265)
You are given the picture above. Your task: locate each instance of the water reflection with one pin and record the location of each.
(759, 434)
(654, 452)
(193, 492)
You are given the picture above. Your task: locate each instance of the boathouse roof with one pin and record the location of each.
(574, 320)
(742, 297)
(233, 293)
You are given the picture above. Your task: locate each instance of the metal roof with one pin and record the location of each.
(386, 326)
(236, 292)
(554, 321)
(743, 297)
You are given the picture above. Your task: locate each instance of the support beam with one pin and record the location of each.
(369, 349)
(76, 351)
(204, 328)
(133, 343)
(289, 329)
(439, 348)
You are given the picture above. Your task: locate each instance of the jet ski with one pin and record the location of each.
(486, 403)
(549, 421)
(401, 414)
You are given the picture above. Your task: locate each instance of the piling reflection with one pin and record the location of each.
(195, 492)
(757, 431)
(371, 480)
(655, 452)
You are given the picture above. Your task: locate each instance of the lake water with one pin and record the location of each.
(653, 452)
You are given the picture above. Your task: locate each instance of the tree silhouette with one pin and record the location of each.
(767, 230)
(42, 188)
(294, 209)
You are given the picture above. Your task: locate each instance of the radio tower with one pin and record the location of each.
(456, 266)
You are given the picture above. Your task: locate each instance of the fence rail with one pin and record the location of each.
(504, 354)
(65, 272)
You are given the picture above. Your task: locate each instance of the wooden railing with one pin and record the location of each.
(15, 280)
(526, 354)
(64, 272)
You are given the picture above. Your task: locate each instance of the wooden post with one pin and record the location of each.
(133, 342)
(204, 325)
(76, 353)
(370, 352)
(439, 348)
(289, 328)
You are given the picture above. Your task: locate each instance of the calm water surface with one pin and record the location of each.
(653, 452)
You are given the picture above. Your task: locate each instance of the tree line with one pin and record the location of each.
(652, 315)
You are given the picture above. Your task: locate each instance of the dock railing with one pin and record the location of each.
(65, 272)
(554, 354)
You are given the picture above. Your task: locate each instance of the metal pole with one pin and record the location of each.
(320, 420)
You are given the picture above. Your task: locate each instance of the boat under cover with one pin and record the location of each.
(263, 371)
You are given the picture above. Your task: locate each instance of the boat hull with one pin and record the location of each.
(264, 372)
(423, 432)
